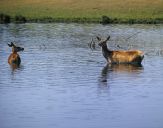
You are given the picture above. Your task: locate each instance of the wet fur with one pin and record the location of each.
(14, 58)
(134, 57)
(120, 56)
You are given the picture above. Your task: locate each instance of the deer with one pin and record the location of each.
(120, 56)
(14, 58)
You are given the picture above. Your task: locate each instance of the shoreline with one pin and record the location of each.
(82, 11)
(4, 19)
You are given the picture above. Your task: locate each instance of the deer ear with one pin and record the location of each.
(10, 45)
(108, 38)
(98, 38)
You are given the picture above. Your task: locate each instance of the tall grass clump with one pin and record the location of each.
(19, 19)
(103, 11)
(4, 18)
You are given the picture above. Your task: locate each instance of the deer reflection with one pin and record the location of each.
(14, 66)
(109, 69)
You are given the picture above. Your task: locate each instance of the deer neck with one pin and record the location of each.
(14, 52)
(106, 52)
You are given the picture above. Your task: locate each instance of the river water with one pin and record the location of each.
(62, 83)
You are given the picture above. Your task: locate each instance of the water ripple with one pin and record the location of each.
(61, 80)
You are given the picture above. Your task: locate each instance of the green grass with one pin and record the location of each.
(119, 11)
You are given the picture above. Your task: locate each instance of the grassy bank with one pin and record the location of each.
(105, 11)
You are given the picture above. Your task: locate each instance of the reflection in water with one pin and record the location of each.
(109, 68)
(14, 66)
(125, 67)
(57, 79)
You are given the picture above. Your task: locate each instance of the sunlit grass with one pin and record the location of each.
(89, 9)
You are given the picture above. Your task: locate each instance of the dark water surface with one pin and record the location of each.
(62, 83)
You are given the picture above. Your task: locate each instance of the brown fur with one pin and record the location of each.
(118, 57)
(14, 58)
(135, 56)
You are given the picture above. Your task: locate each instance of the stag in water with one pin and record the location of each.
(120, 56)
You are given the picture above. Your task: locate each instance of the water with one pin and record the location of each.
(62, 83)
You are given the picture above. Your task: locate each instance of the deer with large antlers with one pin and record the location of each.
(14, 58)
(120, 56)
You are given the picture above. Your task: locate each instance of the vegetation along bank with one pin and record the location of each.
(82, 11)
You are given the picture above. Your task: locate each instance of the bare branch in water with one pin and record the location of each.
(92, 45)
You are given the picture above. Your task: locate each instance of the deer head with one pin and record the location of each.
(15, 48)
(101, 41)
